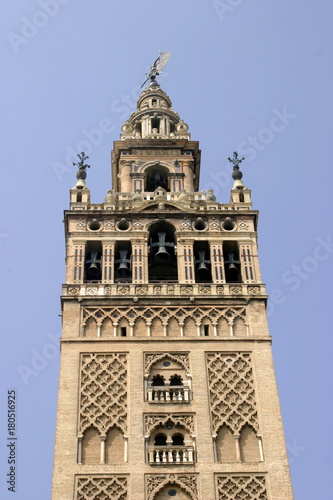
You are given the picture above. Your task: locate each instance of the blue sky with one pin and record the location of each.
(253, 76)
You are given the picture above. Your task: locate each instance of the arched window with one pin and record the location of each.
(176, 380)
(178, 440)
(157, 176)
(158, 380)
(160, 440)
(162, 253)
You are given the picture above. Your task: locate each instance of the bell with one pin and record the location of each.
(162, 255)
(93, 270)
(202, 267)
(123, 262)
(123, 266)
(232, 269)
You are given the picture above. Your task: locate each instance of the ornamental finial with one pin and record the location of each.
(81, 174)
(237, 174)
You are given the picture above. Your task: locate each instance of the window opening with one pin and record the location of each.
(93, 261)
(178, 440)
(231, 262)
(158, 380)
(203, 273)
(160, 440)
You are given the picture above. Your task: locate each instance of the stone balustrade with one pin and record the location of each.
(160, 455)
(168, 394)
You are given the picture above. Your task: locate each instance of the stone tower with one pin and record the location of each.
(167, 386)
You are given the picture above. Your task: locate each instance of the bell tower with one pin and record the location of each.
(167, 385)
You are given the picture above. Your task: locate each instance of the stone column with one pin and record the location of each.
(188, 171)
(125, 178)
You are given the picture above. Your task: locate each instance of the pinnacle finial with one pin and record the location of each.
(81, 174)
(237, 174)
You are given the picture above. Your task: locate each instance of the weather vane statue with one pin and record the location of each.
(82, 166)
(156, 68)
(236, 174)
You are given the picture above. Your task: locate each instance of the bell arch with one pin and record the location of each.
(156, 176)
(162, 264)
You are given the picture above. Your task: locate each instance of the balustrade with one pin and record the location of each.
(168, 394)
(160, 455)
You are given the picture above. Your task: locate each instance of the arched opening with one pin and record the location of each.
(123, 262)
(92, 266)
(170, 443)
(167, 382)
(160, 440)
(231, 262)
(176, 380)
(91, 447)
(90, 328)
(157, 176)
(203, 273)
(107, 328)
(178, 440)
(158, 380)
(239, 328)
(225, 445)
(249, 446)
(114, 447)
(162, 253)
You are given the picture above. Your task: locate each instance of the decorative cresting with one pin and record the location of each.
(247, 487)
(231, 391)
(101, 488)
(182, 359)
(165, 314)
(156, 420)
(186, 482)
(103, 392)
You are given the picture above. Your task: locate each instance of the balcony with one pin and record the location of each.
(175, 455)
(168, 394)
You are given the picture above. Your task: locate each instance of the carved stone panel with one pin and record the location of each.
(101, 488)
(187, 482)
(103, 392)
(231, 391)
(249, 487)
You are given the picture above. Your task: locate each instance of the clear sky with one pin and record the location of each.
(253, 76)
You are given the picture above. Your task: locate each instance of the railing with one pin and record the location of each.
(160, 455)
(168, 394)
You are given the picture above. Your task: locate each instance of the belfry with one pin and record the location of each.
(167, 385)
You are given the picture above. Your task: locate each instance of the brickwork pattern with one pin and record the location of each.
(246, 487)
(231, 391)
(101, 488)
(103, 392)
